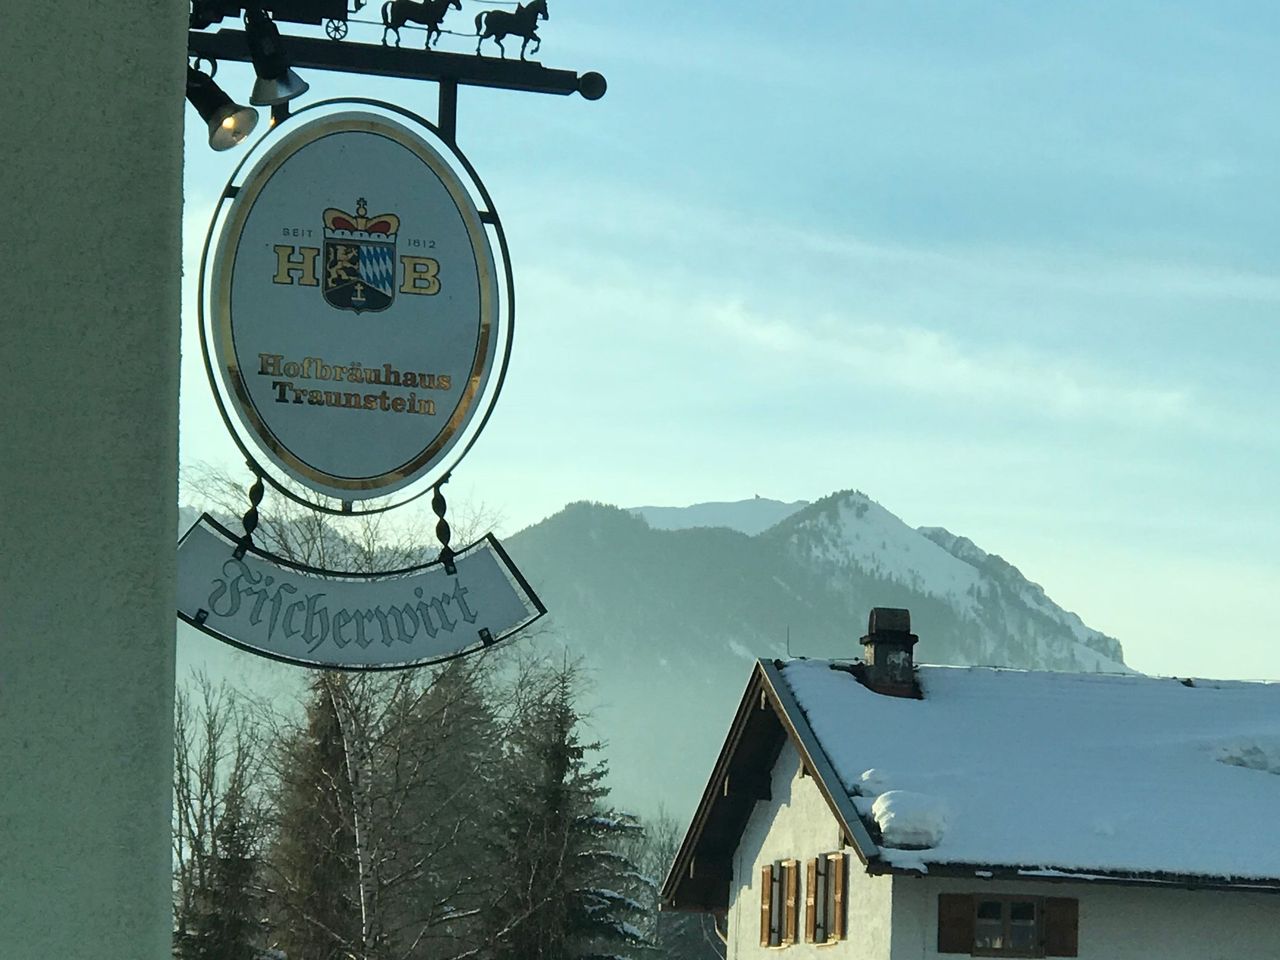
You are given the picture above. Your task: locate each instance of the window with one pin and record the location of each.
(779, 903)
(825, 898)
(989, 925)
(1004, 926)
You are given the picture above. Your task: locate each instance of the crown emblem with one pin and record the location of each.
(338, 224)
(359, 259)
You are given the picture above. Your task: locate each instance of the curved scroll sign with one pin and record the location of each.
(354, 306)
(320, 618)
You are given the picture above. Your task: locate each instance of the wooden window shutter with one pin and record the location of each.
(766, 903)
(791, 873)
(955, 923)
(811, 900)
(1061, 926)
(835, 875)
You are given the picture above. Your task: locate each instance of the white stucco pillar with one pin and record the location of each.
(91, 167)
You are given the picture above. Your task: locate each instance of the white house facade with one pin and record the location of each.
(927, 852)
(797, 825)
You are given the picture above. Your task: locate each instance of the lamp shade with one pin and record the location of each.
(229, 122)
(276, 83)
(267, 92)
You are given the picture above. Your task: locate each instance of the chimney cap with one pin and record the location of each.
(889, 622)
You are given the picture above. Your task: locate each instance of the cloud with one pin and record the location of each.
(1068, 270)
(717, 342)
(932, 364)
(677, 232)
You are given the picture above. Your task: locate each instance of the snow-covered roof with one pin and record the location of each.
(1057, 772)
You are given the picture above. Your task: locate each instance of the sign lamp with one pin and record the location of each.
(276, 83)
(229, 122)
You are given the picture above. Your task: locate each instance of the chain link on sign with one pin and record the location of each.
(250, 519)
(443, 533)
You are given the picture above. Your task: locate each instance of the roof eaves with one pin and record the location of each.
(767, 686)
(817, 761)
(681, 866)
(1110, 877)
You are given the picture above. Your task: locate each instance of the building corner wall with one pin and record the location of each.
(92, 154)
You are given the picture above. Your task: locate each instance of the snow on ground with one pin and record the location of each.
(1252, 753)
(1058, 771)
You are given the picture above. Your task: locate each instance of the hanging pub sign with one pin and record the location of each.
(356, 323)
(357, 305)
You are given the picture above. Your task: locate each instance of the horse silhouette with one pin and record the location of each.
(396, 13)
(522, 23)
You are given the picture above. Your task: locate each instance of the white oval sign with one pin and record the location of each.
(354, 306)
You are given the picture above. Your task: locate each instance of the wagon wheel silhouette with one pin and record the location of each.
(335, 29)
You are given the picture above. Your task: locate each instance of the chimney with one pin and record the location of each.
(889, 666)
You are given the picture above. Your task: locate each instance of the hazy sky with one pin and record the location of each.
(1011, 268)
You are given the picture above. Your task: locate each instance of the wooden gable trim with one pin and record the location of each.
(816, 762)
(767, 717)
(704, 858)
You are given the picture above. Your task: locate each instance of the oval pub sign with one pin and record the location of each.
(354, 308)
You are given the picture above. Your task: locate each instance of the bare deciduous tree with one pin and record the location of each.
(217, 815)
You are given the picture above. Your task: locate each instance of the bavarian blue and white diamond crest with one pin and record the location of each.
(378, 266)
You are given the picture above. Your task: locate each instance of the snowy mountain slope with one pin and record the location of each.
(746, 516)
(1005, 576)
(853, 531)
(1003, 617)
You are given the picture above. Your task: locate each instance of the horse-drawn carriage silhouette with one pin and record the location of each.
(490, 24)
(336, 15)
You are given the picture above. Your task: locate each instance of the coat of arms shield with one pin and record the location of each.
(359, 259)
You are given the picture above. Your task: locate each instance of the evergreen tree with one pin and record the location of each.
(312, 871)
(228, 925)
(438, 761)
(383, 812)
(570, 887)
